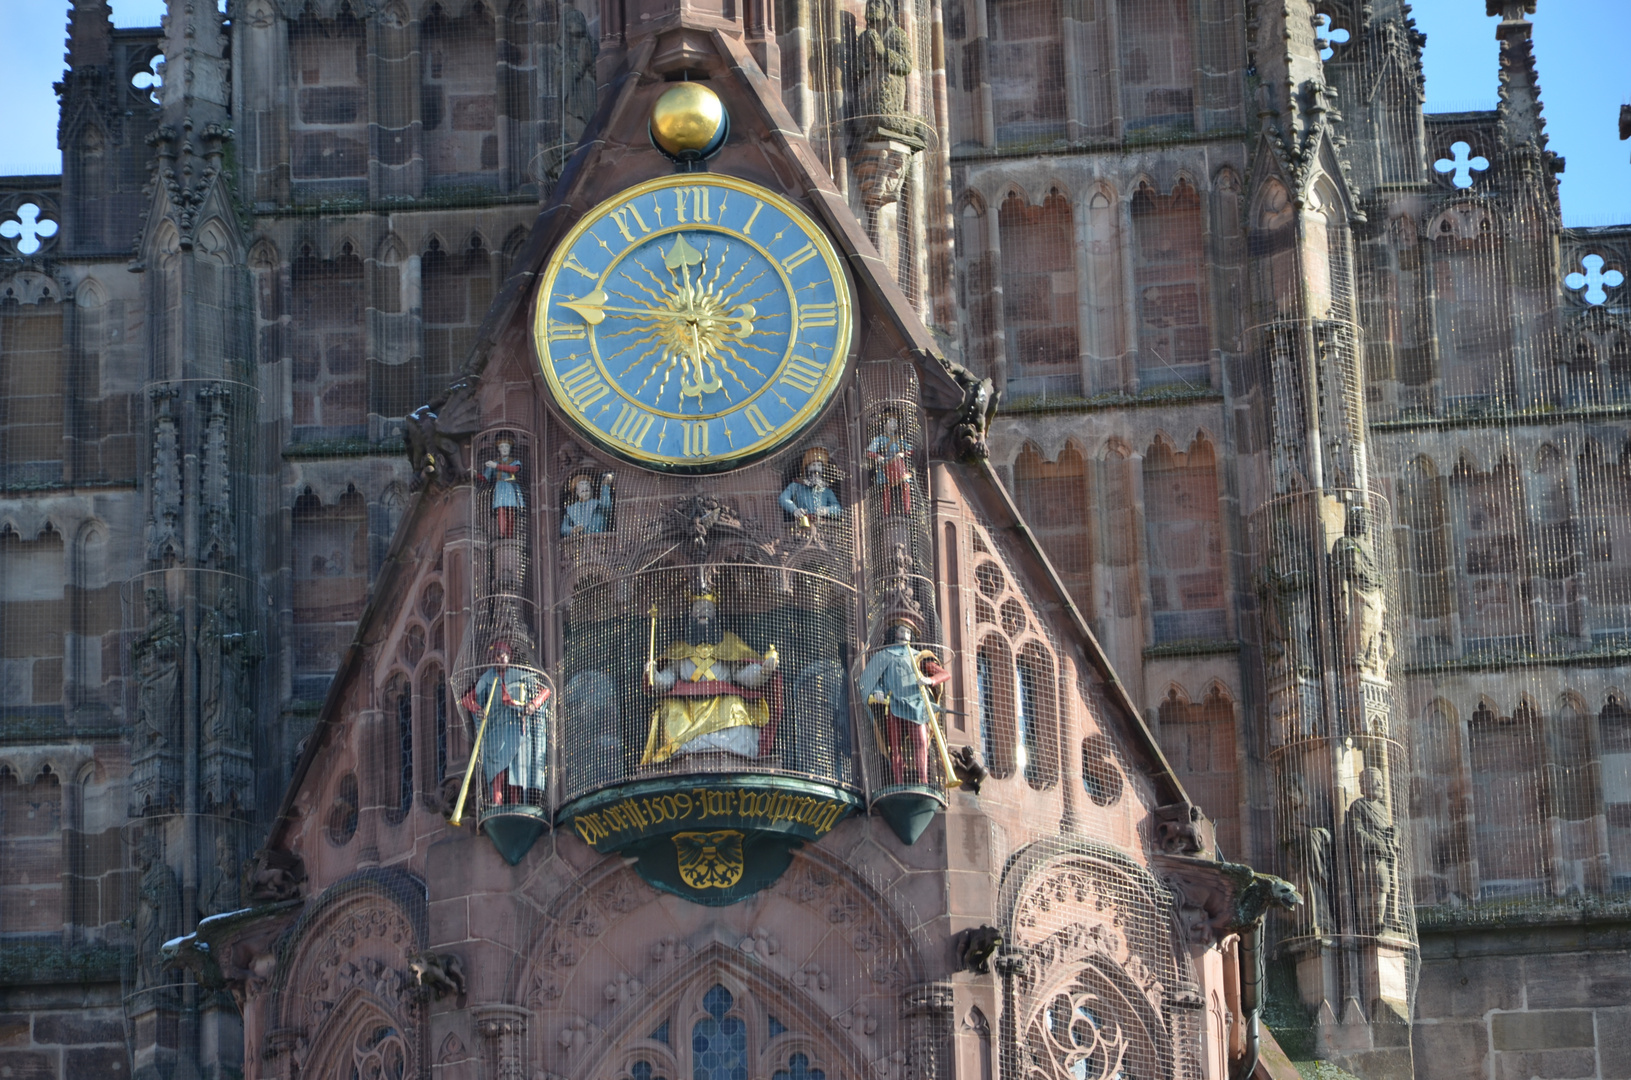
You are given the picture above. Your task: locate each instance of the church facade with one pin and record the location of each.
(934, 538)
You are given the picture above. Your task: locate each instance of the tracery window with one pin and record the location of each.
(719, 1041)
(734, 1039)
(380, 1054)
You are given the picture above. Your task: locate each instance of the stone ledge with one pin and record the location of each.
(37, 963)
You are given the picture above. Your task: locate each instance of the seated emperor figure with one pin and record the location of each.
(717, 693)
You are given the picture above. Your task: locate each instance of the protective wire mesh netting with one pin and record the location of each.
(699, 625)
(816, 976)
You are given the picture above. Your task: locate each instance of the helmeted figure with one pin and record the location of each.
(504, 473)
(901, 679)
(809, 499)
(512, 747)
(717, 692)
(582, 511)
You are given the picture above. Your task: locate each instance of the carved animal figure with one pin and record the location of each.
(277, 875)
(432, 433)
(440, 973)
(975, 948)
(1177, 829)
(968, 768)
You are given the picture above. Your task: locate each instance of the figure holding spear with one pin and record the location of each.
(510, 739)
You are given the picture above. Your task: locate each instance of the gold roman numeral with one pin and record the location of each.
(631, 426)
(620, 218)
(696, 438)
(758, 205)
(756, 417)
(694, 199)
(573, 264)
(565, 331)
(799, 257)
(804, 375)
(812, 316)
(584, 386)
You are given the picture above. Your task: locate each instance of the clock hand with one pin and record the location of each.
(593, 307)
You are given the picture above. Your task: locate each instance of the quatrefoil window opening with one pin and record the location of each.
(151, 80)
(1595, 280)
(1328, 35)
(28, 228)
(1462, 163)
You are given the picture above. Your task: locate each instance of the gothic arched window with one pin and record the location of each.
(1038, 245)
(719, 1041)
(401, 711)
(994, 687)
(1053, 496)
(1038, 716)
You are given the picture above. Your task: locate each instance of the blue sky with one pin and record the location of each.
(1581, 46)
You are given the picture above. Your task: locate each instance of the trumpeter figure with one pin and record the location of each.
(508, 704)
(902, 683)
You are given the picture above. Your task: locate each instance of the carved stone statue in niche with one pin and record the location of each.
(226, 652)
(217, 480)
(156, 656)
(503, 472)
(890, 454)
(578, 50)
(228, 874)
(808, 498)
(510, 702)
(1364, 607)
(1308, 845)
(717, 692)
(883, 59)
(586, 507)
(163, 527)
(158, 911)
(1374, 839)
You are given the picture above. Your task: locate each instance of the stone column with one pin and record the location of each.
(503, 1031)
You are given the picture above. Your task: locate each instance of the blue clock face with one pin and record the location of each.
(694, 322)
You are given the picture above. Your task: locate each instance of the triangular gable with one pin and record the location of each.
(765, 147)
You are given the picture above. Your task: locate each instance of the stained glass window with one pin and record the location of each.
(642, 1070)
(719, 1042)
(798, 1068)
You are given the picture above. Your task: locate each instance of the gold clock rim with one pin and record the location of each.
(714, 462)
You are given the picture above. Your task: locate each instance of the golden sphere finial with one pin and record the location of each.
(688, 119)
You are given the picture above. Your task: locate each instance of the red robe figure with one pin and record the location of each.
(891, 457)
(504, 473)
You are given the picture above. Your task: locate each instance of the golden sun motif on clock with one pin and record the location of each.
(693, 322)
